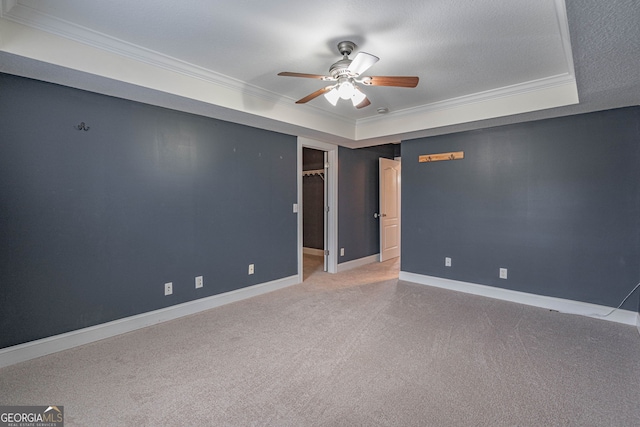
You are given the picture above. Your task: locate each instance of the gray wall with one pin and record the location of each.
(358, 200)
(92, 224)
(557, 202)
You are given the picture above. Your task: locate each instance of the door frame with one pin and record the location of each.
(331, 231)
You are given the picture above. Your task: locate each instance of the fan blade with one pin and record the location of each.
(362, 62)
(309, 76)
(315, 94)
(399, 81)
(364, 103)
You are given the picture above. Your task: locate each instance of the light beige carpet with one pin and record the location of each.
(357, 348)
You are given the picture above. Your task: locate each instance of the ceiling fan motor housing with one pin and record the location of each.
(340, 69)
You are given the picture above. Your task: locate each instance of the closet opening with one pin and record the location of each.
(314, 211)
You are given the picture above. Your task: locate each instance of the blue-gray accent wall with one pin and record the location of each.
(556, 202)
(358, 200)
(93, 223)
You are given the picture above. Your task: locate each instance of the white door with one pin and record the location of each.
(389, 209)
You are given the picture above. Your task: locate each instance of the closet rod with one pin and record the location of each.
(314, 172)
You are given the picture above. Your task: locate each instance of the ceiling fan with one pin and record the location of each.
(347, 73)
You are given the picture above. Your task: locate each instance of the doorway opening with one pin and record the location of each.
(314, 213)
(317, 201)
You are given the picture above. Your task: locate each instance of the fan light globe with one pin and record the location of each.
(346, 90)
(358, 97)
(332, 96)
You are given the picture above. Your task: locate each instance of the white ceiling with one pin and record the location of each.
(476, 59)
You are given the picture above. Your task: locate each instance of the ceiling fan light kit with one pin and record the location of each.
(332, 96)
(346, 88)
(346, 73)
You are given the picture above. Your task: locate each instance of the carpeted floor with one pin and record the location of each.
(358, 348)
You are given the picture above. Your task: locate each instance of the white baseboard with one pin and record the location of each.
(358, 262)
(638, 322)
(313, 251)
(562, 305)
(42, 347)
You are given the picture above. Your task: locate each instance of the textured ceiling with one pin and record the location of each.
(460, 49)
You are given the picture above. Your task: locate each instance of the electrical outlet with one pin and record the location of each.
(341, 251)
(168, 288)
(251, 269)
(447, 262)
(199, 282)
(503, 273)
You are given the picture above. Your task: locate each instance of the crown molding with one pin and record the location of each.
(33, 18)
(517, 99)
(563, 26)
(6, 6)
(475, 98)
(534, 95)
